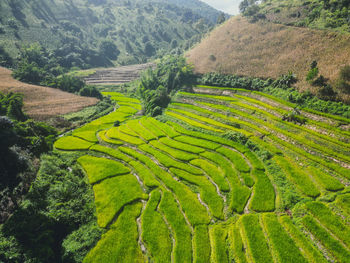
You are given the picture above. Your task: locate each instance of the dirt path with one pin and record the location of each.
(42, 103)
(117, 76)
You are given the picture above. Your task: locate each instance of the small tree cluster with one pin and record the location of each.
(343, 81)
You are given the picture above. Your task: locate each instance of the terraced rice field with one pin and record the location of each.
(180, 191)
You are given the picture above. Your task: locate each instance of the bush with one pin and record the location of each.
(90, 91)
(312, 74)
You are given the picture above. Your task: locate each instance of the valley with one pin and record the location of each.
(168, 131)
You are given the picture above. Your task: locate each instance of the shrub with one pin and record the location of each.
(90, 91)
(312, 74)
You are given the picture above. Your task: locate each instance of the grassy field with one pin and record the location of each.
(201, 188)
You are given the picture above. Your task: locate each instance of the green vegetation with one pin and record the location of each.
(142, 132)
(254, 236)
(111, 152)
(329, 220)
(315, 14)
(99, 169)
(175, 153)
(70, 143)
(22, 141)
(167, 161)
(327, 181)
(218, 235)
(213, 172)
(145, 174)
(201, 244)
(151, 127)
(115, 133)
(286, 249)
(236, 158)
(89, 136)
(343, 202)
(114, 193)
(240, 196)
(170, 75)
(206, 189)
(197, 142)
(301, 179)
(182, 232)
(236, 245)
(57, 212)
(120, 242)
(165, 190)
(334, 246)
(309, 251)
(263, 199)
(155, 232)
(89, 33)
(181, 146)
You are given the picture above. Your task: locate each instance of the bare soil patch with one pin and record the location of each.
(42, 103)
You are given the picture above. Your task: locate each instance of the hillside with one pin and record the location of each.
(265, 49)
(320, 14)
(75, 30)
(42, 103)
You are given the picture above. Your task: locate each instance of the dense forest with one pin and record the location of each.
(87, 33)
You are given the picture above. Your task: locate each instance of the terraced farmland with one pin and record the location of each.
(223, 180)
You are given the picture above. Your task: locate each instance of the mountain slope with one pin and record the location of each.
(196, 6)
(265, 50)
(75, 29)
(320, 14)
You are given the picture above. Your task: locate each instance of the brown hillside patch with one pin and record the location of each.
(42, 103)
(265, 49)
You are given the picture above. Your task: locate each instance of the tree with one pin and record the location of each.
(109, 49)
(149, 49)
(221, 19)
(171, 74)
(245, 4)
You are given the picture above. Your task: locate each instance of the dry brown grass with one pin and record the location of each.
(42, 103)
(265, 49)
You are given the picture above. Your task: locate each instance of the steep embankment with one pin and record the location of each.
(42, 102)
(265, 49)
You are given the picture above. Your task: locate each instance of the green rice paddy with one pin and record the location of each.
(223, 180)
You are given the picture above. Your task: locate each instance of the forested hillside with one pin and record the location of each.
(90, 33)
